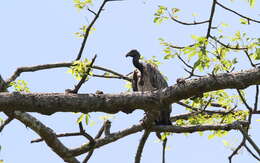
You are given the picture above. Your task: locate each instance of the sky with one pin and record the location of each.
(40, 32)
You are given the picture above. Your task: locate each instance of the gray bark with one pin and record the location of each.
(48, 103)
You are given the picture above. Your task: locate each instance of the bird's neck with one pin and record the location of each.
(137, 64)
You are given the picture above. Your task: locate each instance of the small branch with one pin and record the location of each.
(3, 84)
(211, 17)
(245, 17)
(59, 135)
(20, 70)
(83, 79)
(249, 150)
(112, 72)
(46, 133)
(236, 150)
(256, 98)
(170, 128)
(243, 100)
(248, 57)
(227, 46)
(89, 28)
(185, 23)
(6, 122)
(250, 140)
(141, 146)
(180, 47)
(185, 63)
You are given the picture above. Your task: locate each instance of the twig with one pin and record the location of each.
(244, 101)
(20, 70)
(249, 150)
(83, 79)
(185, 23)
(88, 30)
(91, 142)
(211, 17)
(227, 46)
(141, 146)
(224, 7)
(248, 57)
(249, 139)
(59, 135)
(6, 122)
(256, 98)
(173, 129)
(236, 150)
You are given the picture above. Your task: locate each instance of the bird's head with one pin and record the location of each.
(133, 53)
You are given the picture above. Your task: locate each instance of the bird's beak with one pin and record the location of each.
(127, 55)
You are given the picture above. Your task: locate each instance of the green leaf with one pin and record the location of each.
(87, 116)
(252, 3)
(168, 56)
(80, 118)
(226, 143)
(257, 54)
(244, 21)
(211, 136)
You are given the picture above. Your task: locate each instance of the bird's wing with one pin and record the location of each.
(135, 81)
(156, 78)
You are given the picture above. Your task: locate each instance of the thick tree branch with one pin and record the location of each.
(174, 129)
(46, 133)
(49, 103)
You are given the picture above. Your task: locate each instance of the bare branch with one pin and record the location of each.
(236, 150)
(211, 17)
(59, 135)
(89, 28)
(245, 17)
(46, 133)
(249, 150)
(6, 122)
(170, 128)
(141, 146)
(227, 46)
(185, 23)
(20, 70)
(250, 140)
(256, 98)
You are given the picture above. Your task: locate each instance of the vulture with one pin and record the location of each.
(146, 77)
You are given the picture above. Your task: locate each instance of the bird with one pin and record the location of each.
(147, 77)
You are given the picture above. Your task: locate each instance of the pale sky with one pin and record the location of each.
(39, 32)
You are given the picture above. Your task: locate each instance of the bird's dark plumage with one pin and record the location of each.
(148, 78)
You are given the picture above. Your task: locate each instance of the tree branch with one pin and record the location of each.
(89, 28)
(46, 133)
(211, 17)
(141, 146)
(170, 128)
(6, 122)
(185, 23)
(245, 17)
(20, 70)
(49, 103)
